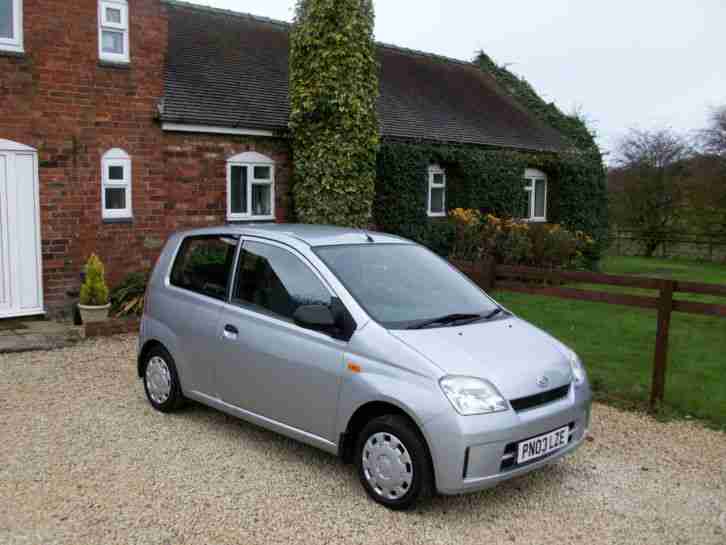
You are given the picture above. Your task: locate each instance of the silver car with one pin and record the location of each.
(364, 345)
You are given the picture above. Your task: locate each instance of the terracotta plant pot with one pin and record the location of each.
(90, 314)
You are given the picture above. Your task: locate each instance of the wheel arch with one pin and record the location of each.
(367, 412)
(148, 346)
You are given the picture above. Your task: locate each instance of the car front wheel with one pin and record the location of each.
(393, 463)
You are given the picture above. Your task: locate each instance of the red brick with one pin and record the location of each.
(58, 99)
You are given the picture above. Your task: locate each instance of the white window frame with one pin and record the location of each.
(531, 177)
(15, 44)
(433, 171)
(116, 158)
(123, 27)
(250, 160)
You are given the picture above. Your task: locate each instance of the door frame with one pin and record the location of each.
(11, 150)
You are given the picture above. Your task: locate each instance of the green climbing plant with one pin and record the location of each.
(333, 122)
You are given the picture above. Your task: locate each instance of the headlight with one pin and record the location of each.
(579, 376)
(472, 395)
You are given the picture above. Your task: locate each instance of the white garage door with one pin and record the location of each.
(21, 291)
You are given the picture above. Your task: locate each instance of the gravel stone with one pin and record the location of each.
(84, 459)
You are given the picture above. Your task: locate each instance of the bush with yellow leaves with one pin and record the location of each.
(516, 242)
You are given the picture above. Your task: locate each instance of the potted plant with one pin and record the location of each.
(94, 303)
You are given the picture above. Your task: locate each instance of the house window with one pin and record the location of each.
(536, 188)
(437, 192)
(116, 185)
(11, 25)
(113, 30)
(250, 187)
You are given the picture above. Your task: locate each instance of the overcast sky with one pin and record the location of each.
(624, 63)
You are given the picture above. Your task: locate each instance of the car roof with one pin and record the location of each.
(296, 233)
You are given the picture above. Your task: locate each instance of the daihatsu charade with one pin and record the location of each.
(365, 345)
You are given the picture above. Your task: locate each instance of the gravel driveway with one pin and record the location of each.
(85, 460)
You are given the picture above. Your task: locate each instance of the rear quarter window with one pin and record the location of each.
(204, 264)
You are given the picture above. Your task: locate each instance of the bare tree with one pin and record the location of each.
(647, 185)
(658, 150)
(713, 138)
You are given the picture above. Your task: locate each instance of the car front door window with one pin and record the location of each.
(276, 282)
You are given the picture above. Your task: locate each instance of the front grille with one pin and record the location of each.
(509, 458)
(530, 402)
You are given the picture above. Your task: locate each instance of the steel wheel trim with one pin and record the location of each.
(387, 465)
(158, 380)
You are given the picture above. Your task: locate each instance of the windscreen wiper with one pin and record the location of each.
(448, 319)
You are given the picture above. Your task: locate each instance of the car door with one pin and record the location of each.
(271, 366)
(197, 291)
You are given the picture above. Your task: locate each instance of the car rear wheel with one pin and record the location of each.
(161, 381)
(393, 463)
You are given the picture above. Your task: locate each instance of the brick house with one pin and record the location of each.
(122, 121)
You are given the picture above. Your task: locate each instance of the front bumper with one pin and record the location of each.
(475, 452)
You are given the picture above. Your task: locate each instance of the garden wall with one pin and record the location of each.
(628, 244)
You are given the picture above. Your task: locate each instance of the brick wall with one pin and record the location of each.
(58, 98)
(112, 326)
(196, 176)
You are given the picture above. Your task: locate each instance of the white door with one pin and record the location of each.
(21, 292)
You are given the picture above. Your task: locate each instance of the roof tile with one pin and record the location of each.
(231, 70)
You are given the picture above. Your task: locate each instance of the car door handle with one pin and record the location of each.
(230, 332)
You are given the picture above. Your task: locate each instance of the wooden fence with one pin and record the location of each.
(489, 275)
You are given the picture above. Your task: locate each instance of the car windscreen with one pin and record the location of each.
(403, 285)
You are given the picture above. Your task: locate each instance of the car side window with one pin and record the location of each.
(276, 282)
(203, 265)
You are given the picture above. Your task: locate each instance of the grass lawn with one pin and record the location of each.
(616, 343)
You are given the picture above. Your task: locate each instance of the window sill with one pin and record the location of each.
(118, 220)
(247, 219)
(442, 215)
(120, 65)
(11, 52)
(535, 220)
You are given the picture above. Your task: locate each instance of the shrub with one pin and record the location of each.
(513, 242)
(94, 291)
(469, 234)
(127, 298)
(513, 245)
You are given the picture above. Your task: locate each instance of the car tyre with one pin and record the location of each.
(161, 381)
(393, 462)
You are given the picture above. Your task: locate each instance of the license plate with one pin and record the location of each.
(540, 446)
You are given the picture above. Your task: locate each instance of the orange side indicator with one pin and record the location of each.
(353, 368)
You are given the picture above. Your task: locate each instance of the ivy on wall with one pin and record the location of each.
(333, 94)
(476, 178)
(491, 180)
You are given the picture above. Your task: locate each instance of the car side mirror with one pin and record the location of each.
(314, 317)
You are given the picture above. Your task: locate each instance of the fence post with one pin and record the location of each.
(487, 273)
(660, 360)
(492, 271)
